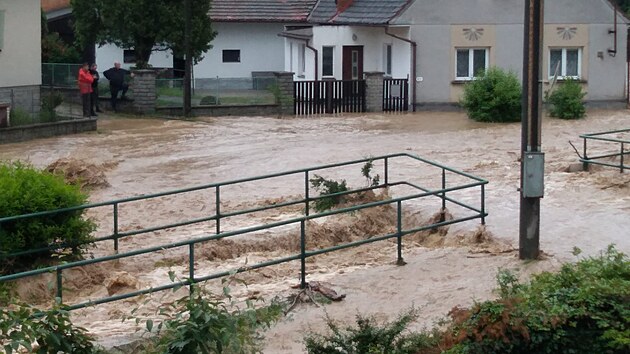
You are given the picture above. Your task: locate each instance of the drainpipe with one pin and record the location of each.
(613, 52)
(414, 50)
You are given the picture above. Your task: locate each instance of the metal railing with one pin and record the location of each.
(606, 137)
(60, 74)
(442, 193)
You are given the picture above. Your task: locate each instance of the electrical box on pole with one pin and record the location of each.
(532, 157)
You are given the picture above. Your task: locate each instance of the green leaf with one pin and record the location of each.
(149, 325)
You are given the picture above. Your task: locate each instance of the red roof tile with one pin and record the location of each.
(261, 10)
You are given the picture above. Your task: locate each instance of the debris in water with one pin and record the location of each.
(78, 172)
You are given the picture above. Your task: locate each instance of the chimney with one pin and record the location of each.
(343, 5)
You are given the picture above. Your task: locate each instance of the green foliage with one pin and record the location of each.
(19, 117)
(22, 325)
(25, 190)
(204, 323)
(143, 25)
(584, 308)
(208, 101)
(371, 337)
(366, 170)
(54, 50)
(50, 101)
(567, 101)
(494, 96)
(326, 187)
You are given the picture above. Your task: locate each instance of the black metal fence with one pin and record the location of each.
(395, 95)
(329, 97)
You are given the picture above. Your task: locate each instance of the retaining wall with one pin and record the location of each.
(46, 130)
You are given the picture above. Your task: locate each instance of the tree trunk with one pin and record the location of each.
(143, 49)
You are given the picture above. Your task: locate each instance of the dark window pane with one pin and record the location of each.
(479, 61)
(231, 56)
(129, 56)
(555, 62)
(327, 61)
(572, 62)
(462, 63)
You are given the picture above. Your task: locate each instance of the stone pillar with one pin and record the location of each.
(144, 94)
(286, 92)
(374, 91)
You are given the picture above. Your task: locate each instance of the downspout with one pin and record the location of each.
(316, 58)
(613, 52)
(414, 50)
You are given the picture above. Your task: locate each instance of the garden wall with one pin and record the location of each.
(46, 130)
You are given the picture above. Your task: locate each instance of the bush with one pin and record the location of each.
(326, 187)
(18, 117)
(25, 190)
(370, 336)
(21, 326)
(495, 96)
(204, 323)
(567, 101)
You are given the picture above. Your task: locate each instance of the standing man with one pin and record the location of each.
(116, 77)
(85, 87)
(95, 104)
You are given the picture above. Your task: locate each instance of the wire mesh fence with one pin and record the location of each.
(218, 91)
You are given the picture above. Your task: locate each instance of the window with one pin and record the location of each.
(129, 56)
(290, 56)
(387, 67)
(470, 62)
(565, 62)
(1, 30)
(231, 55)
(327, 61)
(302, 60)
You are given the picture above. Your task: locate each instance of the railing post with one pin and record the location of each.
(483, 204)
(218, 209)
(59, 286)
(621, 163)
(585, 163)
(116, 228)
(306, 194)
(191, 267)
(303, 254)
(386, 172)
(400, 260)
(443, 211)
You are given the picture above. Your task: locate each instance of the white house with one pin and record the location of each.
(20, 54)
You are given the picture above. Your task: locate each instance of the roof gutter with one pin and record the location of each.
(414, 59)
(306, 42)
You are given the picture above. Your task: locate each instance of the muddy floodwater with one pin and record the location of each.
(589, 210)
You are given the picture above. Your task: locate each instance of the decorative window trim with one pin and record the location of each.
(562, 72)
(471, 62)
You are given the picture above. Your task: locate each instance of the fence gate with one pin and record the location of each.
(328, 97)
(395, 95)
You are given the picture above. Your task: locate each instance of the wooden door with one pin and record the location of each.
(352, 62)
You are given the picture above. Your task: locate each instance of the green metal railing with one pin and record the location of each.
(60, 75)
(620, 151)
(477, 213)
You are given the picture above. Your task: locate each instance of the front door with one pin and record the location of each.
(352, 62)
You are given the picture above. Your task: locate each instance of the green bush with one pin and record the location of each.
(326, 187)
(18, 117)
(25, 190)
(567, 101)
(50, 102)
(495, 96)
(204, 323)
(21, 326)
(371, 337)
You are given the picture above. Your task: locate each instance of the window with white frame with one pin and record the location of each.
(1, 30)
(470, 62)
(302, 59)
(327, 61)
(565, 63)
(387, 59)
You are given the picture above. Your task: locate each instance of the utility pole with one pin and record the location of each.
(532, 157)
(188, 50)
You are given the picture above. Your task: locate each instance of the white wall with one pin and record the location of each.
(20, 58)
(373, 40)
(107, 54)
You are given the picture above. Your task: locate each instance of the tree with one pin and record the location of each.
(54, 50)
(144, 25)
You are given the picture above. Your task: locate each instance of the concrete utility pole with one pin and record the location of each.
(188, 50)
(532, 157)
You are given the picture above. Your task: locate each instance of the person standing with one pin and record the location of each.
(116, 77)
(94, 97)
(85, 87)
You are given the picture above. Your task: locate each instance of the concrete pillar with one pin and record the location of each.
(144, 93)
(374, 91)
(284, 81)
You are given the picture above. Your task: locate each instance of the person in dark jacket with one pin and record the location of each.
(96, 76)
(116, 77)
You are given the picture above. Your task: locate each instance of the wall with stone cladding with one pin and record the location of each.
(284, 81)
(144, 92)
(374, 91)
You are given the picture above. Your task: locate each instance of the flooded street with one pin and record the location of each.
(589, 210)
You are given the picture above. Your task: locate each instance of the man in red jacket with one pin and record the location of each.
(85, 87)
